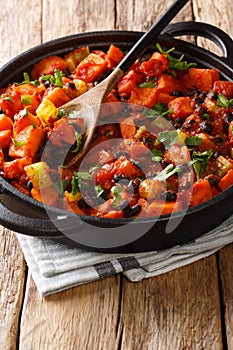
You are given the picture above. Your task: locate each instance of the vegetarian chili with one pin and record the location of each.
(173, 151)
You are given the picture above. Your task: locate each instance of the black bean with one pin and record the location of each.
(215, 155)
(71, 85)
(124, 180)
(206, 127)
(133, 211)
(124, 206)
(212, 179)
(169, 195)
(148, 141)
(218, 140)
(29, 185)
(134, 184)
(177, 93)
(229, 117)
(212, 95)
(199, 100)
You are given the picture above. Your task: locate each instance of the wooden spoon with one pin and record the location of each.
(96, 96)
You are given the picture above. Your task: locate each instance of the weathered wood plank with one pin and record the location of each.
(171, 312)
(221, 16)
(140, 15)
(226, 273)
(19, 30)
(78, 16)
(12, 275)
(85, 317)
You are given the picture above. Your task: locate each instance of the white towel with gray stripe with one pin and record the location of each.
(56, 267)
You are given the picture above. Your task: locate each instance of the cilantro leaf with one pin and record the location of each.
(168, 138)
(223, 101)
(78, 142)
(193, 141)
(200, 162)
(166, 173)
(116, 192)
(156, 155)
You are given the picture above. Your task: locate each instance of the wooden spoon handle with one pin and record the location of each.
(151, 35)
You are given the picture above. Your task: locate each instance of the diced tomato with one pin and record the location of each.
(165, 98)
(147, 97)
(224, 87)
(162, 58)
(167, 84)
(91, 68)
(5, 123)
(47, 66)
(115, 54)
(202, 78)
(15, 169)
(181, 107)
(226, 181)
(11, 104)
(151, 68)
(26, 142)
(201, 192)
(5, 138)
(128, 82)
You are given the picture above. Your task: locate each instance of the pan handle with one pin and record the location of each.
(218, 36)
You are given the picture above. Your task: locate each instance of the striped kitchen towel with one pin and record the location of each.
(56, 267)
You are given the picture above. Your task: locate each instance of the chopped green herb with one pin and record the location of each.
(160, 109)
(167, 172)
(193, 141)
(93, 168)
(168, 138)
(61, 113)
(100, 192)
(55, 79)
(78, 142)
(77, 182)
(116, 192)
(148, 83)
(200, 162)
(223, 101)
(156, 155)
(206, 116)
(6, 98)
(18, 144)
(175, 63)
(26, 99)
(27, 80)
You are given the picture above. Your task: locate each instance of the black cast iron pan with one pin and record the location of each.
(25, 215)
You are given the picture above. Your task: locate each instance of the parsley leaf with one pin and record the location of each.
(223, 101)
(200, 162)
(26, 99)
(78, 142)
(156, 155)
(160, 109)
(100, 192)
(116, 192)
(166, 173)
(18, 144)
(193, 141)
(168, 138)
(55, 79)
(77, 183)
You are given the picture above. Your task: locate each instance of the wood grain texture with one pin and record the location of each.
(12, 277)
(85, 317)
(226, 274)
(19, 30)
(170, 312)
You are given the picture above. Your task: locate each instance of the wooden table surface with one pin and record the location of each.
(189, 308)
